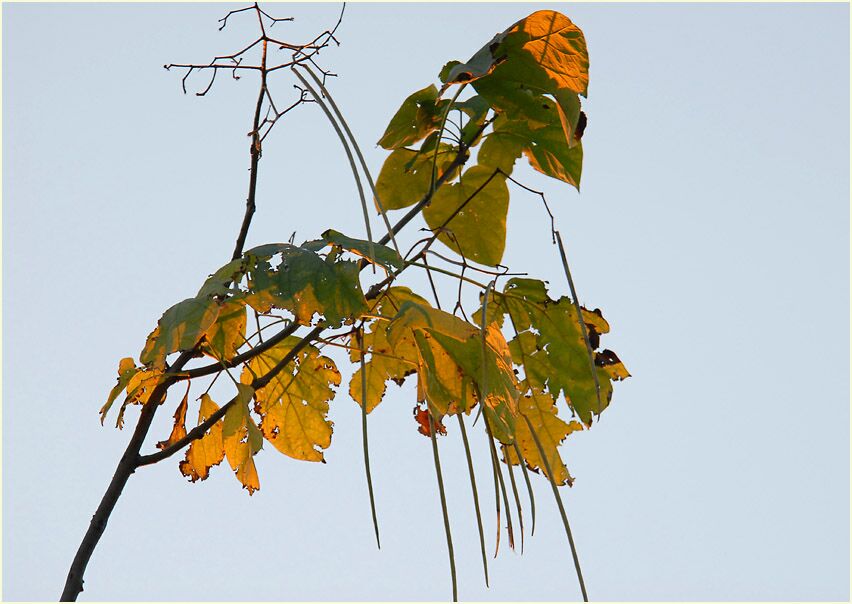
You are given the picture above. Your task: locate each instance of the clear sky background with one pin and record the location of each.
(712, 230)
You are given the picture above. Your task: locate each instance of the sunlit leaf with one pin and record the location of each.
(227, 334)
(451, 366)
(306, 284)
(126, 370)
(551, 348)
(294, 406)
(540, 409)
(385, 362)
(477, 231)
(139, 389)
(180, 328)
(422, 416)
(407, 174)
(179, 429)
(207, 451)
(419, 114)
(241, 439)
(382, 254)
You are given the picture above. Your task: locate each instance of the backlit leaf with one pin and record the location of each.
(227, 334)
(207, 451)
(478, 230)
(139, 389)
(180, 328)
(384, 361)
(179, 429)
(419, 115)
(383, 255)
(540, 409)
(306, 284)
(407, 174)
(294, 406)
(422, 416)
(126, 370)
(241, 439)
(551, 348)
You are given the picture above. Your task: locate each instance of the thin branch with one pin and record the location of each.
(126, 466)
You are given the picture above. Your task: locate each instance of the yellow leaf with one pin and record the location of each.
(240, 439)
(207, 451)
(540, 410)
(294, 405)
(179, 429)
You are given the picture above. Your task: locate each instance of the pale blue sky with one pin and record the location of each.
(712, 230)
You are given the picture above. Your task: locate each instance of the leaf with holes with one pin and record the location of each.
(294, 406)
(386, 362)
(305, 284)
(180, 328)
(207, 451)
(540, 409)
(242, 439)
(419, 115)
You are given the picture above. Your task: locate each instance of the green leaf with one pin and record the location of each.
(407, 174)
(538, 130)
(551, 348)
(227, 334)
(180, 328)
(218, 283)
(419, 115)
(384, 256)
(294, 405)
(306, 284)
(478, 230)
(476, 108)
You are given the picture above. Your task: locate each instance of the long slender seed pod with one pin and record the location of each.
(443, 505)
(357, 149)
(475, 495)
(515, 493)
(496, 461)
(360, 338)
(561, 508)
(333, 122)
(529, 485)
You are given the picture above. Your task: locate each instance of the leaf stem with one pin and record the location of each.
(515, 493)
(529, 485)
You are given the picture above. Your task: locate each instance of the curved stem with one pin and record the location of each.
(360, 338)
(348, 151)
(357, 149)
